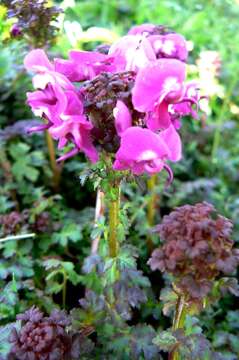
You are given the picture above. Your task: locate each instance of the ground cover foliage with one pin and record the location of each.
(85, 304)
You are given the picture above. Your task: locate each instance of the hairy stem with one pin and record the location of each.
(64, 289)
(178, 322)
(56, 169)
(114, 207)
(99, 212)
(151, 208)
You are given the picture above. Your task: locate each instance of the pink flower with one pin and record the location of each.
(184, 107)
(72, 125)
(63, 111)
(156, 86)
(142, 150)
(171, 46)
(122, 117)
(49, 103)
(139, 83)
(84, 65)
(37, 62)
(132, 53)
(76, 129)
(141, 29)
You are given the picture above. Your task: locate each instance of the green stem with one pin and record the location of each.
(114, 207)
(56, 169)
(7, 173)
(180, 313)
(151, 208)
(64, 289)
(178, 322)
(220, 119)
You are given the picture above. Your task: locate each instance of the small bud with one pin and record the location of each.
(15, 31)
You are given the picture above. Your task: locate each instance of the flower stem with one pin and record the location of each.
(114, 207)
(178, 322)
(7, 173)
(56, 169)
(64, 289)
(99, 212)
(151, 208)
(221, 117)
(180, 313)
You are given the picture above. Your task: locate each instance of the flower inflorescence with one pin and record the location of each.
(16, 221)
(127, 99)
(42, 338)
(34, 20)
(196, 248)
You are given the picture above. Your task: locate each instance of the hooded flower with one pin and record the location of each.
(49, 103)
(74, 126)
(141, 150)
(156, 86)
(63, 111)
(122, 117)
(132, 52)
(184, 107)
(126, 99)
(84, 65)
(141, 29)
(37, 62)
(170, 46)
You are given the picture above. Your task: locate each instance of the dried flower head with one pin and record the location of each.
(42, 338)
(11, 223)
(196, 248)
(15, 222)
(35, 20)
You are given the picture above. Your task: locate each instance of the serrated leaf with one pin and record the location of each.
(74, 278)
(53, 274)
(54, 288)
(169, 299)
(165, 340)
(5, 332)
(51, 263)
(69, 232)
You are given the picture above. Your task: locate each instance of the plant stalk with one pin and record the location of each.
(56, 169)
(114, 207)
(6, 166)
(64, 289)
(220, 119)
(151, 208)
(178, 322)
(99, 212)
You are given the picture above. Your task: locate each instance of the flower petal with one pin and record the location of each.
(37, 61)
(159, 118)
(141, 150)
(156, 81)
(173, 141)
(122, 117)
(141, 29)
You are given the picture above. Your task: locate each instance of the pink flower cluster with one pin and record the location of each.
(132, 97)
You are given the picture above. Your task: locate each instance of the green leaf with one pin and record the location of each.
(53, 274)
(18, 150)
(51, 263)
(165, 340)
(54, 288)
(69, 232)
(5, 332)
(74, 278)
